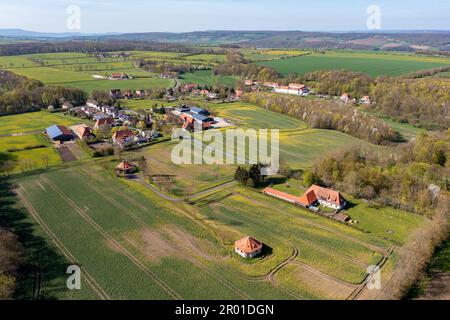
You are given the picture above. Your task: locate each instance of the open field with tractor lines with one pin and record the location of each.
(375, 64)
(134, 244)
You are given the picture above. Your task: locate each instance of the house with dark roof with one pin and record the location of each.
(108, 121)
(196, 120)
(59, 133)
(200, 111)
(115, 94)
(123, 137)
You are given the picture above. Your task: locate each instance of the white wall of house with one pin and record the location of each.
(331, 205)
(246, 255)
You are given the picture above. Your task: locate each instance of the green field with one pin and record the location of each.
(34, 121)
(302, 149)
(206, 78)
(22, 150)
(140, 247)
(132, 84)
(76, 70)
(137, 248)
(250, 116)
(375, 64)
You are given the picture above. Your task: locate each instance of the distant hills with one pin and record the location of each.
(20, 33)
(362, 40)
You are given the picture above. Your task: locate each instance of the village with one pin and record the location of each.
(119, 127)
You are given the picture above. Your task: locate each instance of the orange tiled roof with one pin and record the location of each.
(325, 194)
(280, 194)
(248, 245)
(83, 130)
(125, 165)
(307, 199)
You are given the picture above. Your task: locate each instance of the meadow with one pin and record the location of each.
(206, 78)
(250, 116)
(374, 64)
(33, 121)
(29, 152)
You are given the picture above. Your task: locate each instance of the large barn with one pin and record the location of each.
(59, 133)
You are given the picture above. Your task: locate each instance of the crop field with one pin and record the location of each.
(34, 121)
(250, 116)
(138, 248)
(133, 244)
(266, 55)
(179, 180)
(375, 64)
(206, 78)
(29, 152)
(146, 104)
(302, 148)
(76, 70)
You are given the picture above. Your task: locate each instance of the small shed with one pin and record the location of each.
(126, 167)
(248, 247)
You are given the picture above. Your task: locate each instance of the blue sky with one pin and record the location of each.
(198, 15)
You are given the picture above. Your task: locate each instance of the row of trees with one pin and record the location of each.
(335, 83)
(250, 177)
(85, 46)
(237, 65)
(325, 114)
(414, 176)
(421, 102)
(10, 257)
(166, 67)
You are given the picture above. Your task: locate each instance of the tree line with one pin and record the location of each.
(89, 46)
(236, 65)
(325, 114)
(420, 102)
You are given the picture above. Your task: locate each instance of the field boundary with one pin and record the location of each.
(67, 254)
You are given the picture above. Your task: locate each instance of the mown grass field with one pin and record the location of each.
(375, 64)
(33, 121)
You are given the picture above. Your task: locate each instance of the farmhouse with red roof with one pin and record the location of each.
(313, 196)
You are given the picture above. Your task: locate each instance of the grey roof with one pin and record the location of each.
(57, 131)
